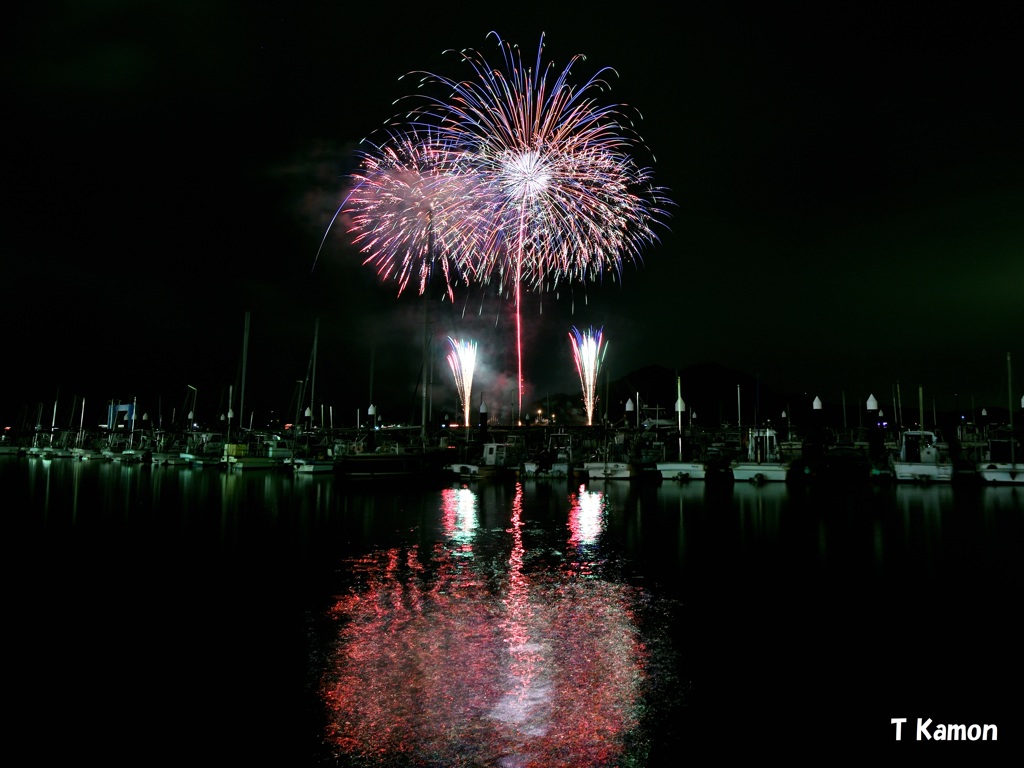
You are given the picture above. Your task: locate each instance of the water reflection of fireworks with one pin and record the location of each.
(432, 662)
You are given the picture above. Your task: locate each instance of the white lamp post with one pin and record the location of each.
(680, 408)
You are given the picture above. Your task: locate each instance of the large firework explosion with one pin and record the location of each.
(513, 177)
(412, 211)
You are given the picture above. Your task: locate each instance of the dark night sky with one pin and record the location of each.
(849, 189)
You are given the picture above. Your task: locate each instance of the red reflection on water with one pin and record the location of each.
(432, 661)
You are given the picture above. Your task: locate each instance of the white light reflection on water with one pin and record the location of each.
(477, 653)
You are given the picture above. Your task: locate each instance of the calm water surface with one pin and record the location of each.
(167, 613)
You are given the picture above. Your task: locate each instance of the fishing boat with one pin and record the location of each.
(922, 456)
(763, 461)
(497, 461)
(557, 460)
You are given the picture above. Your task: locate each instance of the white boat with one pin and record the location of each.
(307, 466)
(1009, 473)
(135, 456)
(922, 457)
(763, 460)
(682, 471)
(1003, 461)
(608, 470)
(55, 452)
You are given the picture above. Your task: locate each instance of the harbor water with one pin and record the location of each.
(164, 614)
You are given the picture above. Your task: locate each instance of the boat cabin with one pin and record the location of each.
(921, 446)
(762, 445)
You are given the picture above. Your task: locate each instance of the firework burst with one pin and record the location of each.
(588, 351)
(565, 199)
(513, 177)
(412, 210)
(462, 360)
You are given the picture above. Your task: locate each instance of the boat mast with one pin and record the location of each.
(312, 385)
(245, 356)
(920, 407)
(81, 424)
(53, 422)
(1009, 402)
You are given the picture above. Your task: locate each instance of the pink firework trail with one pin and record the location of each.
(462, 360)
(588, 351)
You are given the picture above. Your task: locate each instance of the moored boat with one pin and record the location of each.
(1003, 462)
(682, 471)
(308, 466)
(259, 452)
(764, 461)
(922, 457)
(497, 461)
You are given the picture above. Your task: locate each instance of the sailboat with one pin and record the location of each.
(1003, 462)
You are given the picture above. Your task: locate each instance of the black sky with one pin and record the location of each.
(849, 189)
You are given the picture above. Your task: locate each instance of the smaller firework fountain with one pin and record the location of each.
(589, 350)
(462, 360)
